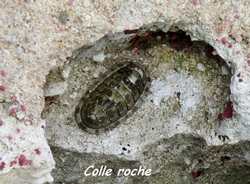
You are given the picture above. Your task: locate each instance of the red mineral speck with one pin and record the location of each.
(2, 88)
(13, 98)
(227, 113)
(18, 130)
(2, 165)
(23, 108)
(180, 41)
(37, 151)
(224, 40)
(23, 161)
(13, 111)
(135, 51)
(2, 73)
(12, 163)
(196, 174)
(195, 2)
(1, 122)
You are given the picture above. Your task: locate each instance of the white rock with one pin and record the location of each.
(201, 67)
(55, 89)
(65, 72)
(99, 57)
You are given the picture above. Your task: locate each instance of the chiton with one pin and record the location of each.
(102, 107)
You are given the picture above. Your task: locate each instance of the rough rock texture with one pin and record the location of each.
(36, 36)
(186, 94)
(179, 159)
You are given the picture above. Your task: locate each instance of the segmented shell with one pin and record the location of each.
(111, 99)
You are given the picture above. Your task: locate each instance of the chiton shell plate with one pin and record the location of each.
(101, 108)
